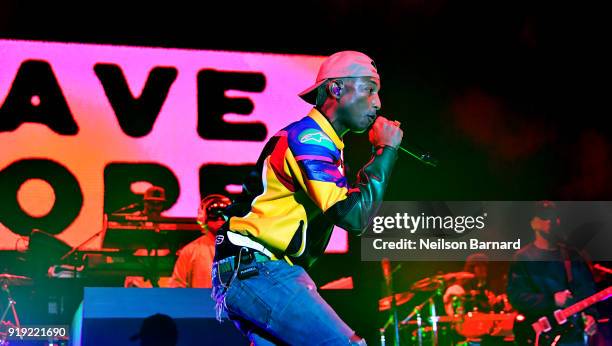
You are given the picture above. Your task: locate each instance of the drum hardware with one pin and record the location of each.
(425, 325)
(15, 280)
(400, 299)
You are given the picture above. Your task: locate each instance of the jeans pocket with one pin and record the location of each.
(242, 300)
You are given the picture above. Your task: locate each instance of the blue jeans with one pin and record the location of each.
(280, 305)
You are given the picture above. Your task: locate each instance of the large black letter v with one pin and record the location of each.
(136, 116)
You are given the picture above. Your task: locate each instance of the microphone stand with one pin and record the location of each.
(97, 234)
(417, 311)
(393, 311)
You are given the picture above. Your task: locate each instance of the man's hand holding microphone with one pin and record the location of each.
(385, 132)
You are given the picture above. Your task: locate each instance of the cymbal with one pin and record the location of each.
(400, 298)
(457, 276)
(426, 284)
(14, 280)
(434, 282)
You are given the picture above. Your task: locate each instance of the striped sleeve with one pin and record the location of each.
(313, 156)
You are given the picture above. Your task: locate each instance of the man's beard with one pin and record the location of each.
(553, 236)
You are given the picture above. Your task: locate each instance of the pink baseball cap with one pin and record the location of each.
(347, 63)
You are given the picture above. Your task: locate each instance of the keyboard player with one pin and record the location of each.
(193, 266)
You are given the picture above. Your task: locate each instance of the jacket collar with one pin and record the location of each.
(327, 127)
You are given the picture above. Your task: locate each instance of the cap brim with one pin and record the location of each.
(310, 95)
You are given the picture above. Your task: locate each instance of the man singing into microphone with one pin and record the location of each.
(300, 194)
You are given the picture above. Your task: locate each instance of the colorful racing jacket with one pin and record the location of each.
(302, 191)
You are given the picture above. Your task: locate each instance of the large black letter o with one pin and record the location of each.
(68, 196)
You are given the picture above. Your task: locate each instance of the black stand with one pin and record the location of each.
(393, 311)
(11, 305)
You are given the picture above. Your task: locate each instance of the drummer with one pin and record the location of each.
(472, 294)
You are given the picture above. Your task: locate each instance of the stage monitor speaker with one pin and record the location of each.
(110, 316)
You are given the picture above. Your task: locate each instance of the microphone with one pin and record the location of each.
(416, 152)
(420, 155)
(128, 207)
(386, 268)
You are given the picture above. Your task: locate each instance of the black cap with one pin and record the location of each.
(546, 210)
(155, 193)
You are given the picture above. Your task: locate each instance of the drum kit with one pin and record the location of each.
(460, 320)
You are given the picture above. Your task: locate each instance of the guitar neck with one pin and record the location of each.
(585, 303)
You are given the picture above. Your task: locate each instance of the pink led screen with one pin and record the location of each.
(85, 128)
